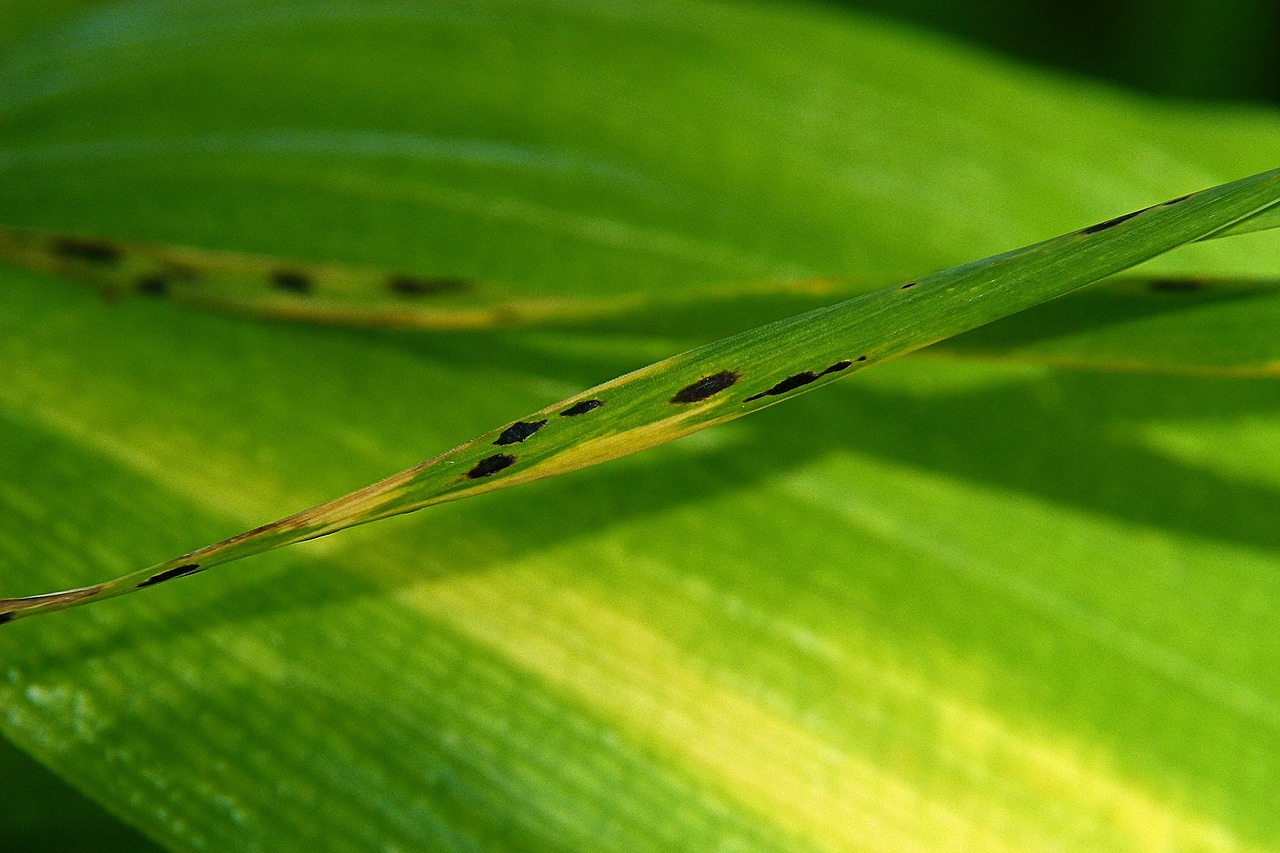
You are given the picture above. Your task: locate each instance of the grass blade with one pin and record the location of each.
(733, 377)
(353, 295)
(1263, 220)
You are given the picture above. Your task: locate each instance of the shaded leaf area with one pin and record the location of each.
(1174, 325)
(844, 623)
(41, 812)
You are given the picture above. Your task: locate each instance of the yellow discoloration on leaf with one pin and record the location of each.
(828, 792)
(596, 450)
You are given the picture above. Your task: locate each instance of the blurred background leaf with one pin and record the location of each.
(1183, 49)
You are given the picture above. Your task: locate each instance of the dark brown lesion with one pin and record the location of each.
(519, 431)
(87, 250)
(153, 284)
(413, 287)
(6, 617)
(909, 285)
(170, 574)
(581, 408)
(292, 281)
(789, 384)
(799, 380)
(491, 465)
(707, 386)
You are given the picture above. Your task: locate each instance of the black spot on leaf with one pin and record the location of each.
(862, 358)
(1110, 223)
(581, 408)
(491, 465)
(170, 574)
(519, 431)
(909, 285)
(292, 281)
(91, 251)
(793, 382)
(412, 286)
(5, 617)
(705, 387)
(153, 285)
(789, 384)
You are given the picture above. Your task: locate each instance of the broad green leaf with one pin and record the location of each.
(703, 387)
(946, 604)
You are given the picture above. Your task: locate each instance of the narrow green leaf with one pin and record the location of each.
(732, 377)
(1263, 220)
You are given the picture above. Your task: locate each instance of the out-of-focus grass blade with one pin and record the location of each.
(342, 294)
(270, 287)
(1186, 324)
(733, 377)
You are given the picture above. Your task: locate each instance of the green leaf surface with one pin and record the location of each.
(965, 605)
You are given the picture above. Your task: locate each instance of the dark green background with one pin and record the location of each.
(1200, 49)
(1197, 49)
